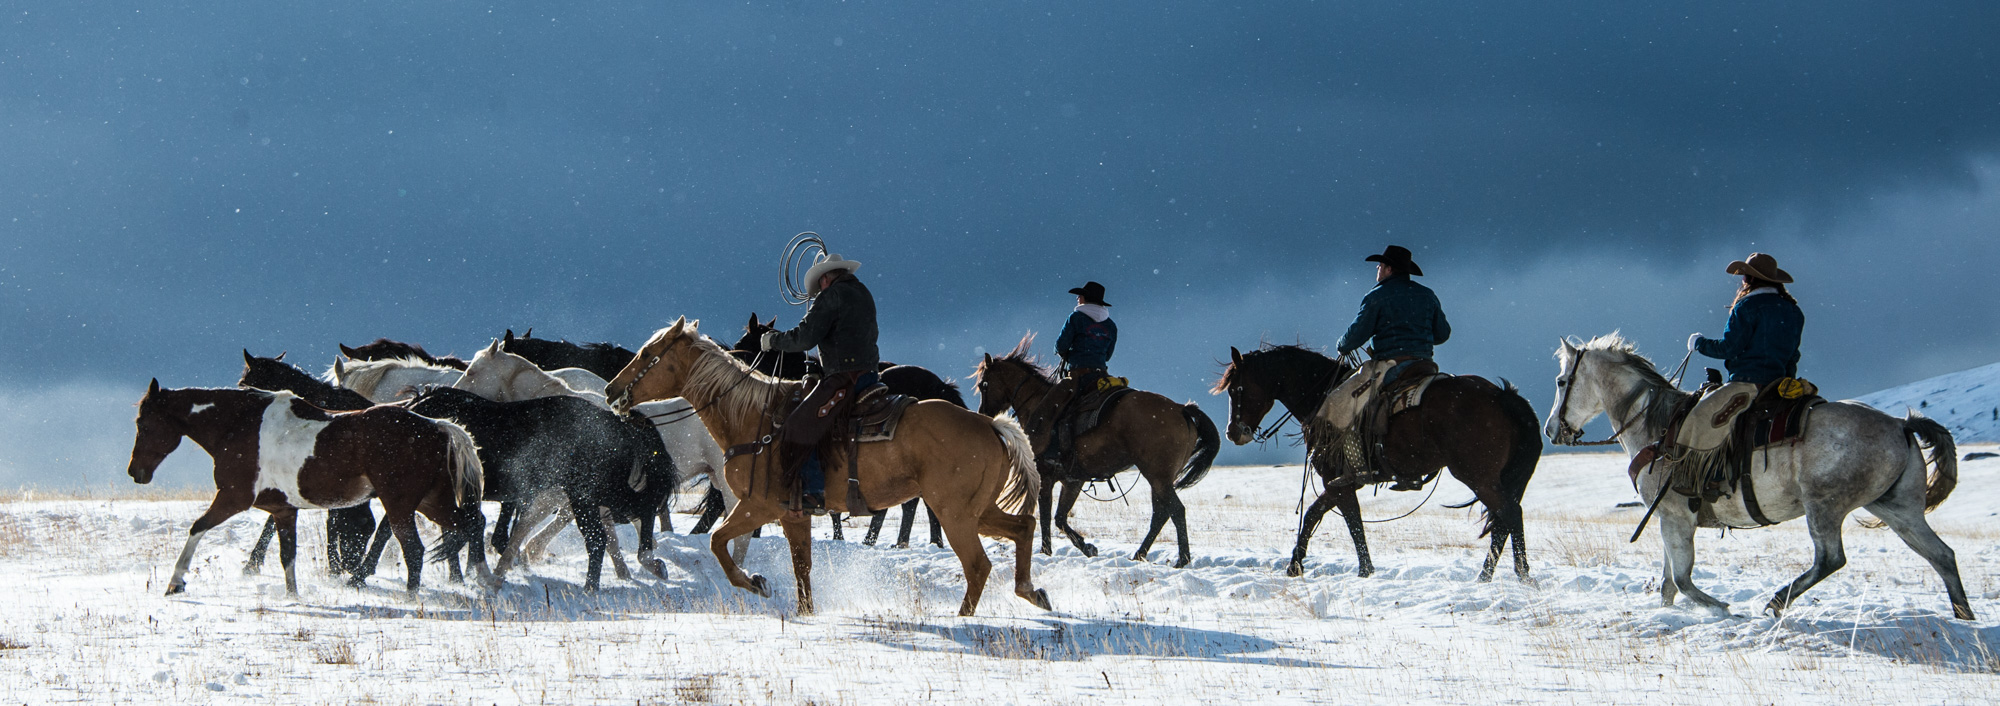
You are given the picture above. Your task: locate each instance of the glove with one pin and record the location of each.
(771, 337)
(1692, 340)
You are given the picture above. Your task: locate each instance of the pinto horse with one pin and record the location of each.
(1172, 444)
(347, 529)
(385, 349)
(275, 452)
(1486, 434)
(976, 472)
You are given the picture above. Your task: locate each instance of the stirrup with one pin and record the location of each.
(813, 503)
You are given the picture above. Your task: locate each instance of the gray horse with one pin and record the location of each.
(1852, 456)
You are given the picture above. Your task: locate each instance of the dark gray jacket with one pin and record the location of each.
(841, 324)
(1402, 316)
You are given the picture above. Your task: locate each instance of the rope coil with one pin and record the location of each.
(801, 253)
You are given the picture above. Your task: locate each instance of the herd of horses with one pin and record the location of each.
(596, 435)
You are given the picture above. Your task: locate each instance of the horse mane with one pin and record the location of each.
(1228, 377)
(1624, 353)
(1023, 355)
(715, 378)
(367, 374)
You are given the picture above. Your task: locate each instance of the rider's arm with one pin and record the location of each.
(1440, 328)
(1113, 344)
(1735, 338)
(1363, 327)
(812, 329)
(1066, 341)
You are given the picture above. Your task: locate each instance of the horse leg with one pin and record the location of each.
(647, 544)
(288, 547)
(593, 538)
(1048, 515)
(509, 553)
(225, 506)
(1677, 525)
(1504, 517)
(937, 530)
(1070, 492)
(910, 522)
(740, 522)
(1828, 556)
(465, 527)
(366, 567)
(352, 527)
(875, 522)
(962, 533)
(405, 525)
(798, 534)
(1350, 509)
(611, 545)
(711, 509)
(1166, 506)
(1909, 524)
(256, 561)
(1307, 524)
(836, 519)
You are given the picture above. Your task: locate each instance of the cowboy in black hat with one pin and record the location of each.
(1402, 317)
(1086, 343)
(841, 324)
(1761, 344)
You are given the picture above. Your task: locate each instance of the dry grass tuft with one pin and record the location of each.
(8, 643)
(698, 689)
(336, 652)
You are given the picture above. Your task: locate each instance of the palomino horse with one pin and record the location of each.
(1485, 433)
(976, 473)
(1172, 444)
(1852, 456)
(275, 452)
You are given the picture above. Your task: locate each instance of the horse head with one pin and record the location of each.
(656, 371)
(159, 433)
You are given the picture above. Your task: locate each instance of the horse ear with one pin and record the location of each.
(246, 356)
(510, 336)
(155, 387)
(773, 323)
(1235, 356)
(339, 370)
(281, 355)
(493, 347)
(530, 333)
(753, 322)
(344, 350)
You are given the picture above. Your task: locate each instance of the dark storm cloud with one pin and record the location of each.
(185, 180)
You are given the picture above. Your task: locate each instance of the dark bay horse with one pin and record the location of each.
(348, 528)
(1172, 445)
(275, 452)
(602, 359)
(1488, 435)
(385, 349)
(911, 380)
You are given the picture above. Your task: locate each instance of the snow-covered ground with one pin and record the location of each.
(1967, 402)
(84, 619)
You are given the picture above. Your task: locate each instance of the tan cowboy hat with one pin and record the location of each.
(827, 264)
(1760, 266)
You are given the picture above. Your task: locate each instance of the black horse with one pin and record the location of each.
(347, 529)
(385, 349)
(601, 359)
(596, 458)
(900, 379)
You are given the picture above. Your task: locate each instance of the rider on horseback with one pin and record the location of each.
(1404, 321)
(1761, 344)
(841, 323)
(1087, 341)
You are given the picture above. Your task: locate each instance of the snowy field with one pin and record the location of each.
(84, 620)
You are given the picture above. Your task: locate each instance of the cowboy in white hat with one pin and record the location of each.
(841, 324)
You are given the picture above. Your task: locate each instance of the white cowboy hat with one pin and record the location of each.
(825, 265)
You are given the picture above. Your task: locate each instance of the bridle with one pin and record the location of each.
(1257, 431)
(1567, 435)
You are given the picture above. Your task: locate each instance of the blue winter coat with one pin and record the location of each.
(1085, 343)
(1762, 342)
(1403, 317)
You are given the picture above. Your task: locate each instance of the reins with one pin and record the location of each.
(693, 410)
(1562, 410)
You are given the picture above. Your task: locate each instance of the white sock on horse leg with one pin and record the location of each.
(187, 556)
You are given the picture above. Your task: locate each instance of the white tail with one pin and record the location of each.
(468, 478)
(1024, 483)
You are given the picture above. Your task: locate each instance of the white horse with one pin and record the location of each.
(1852, 456)
(505, 377)
(390, 379)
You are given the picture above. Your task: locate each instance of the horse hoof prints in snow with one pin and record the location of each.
(976, 472)
(1852, 456)
(275, 452)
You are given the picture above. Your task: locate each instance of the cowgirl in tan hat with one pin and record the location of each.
(1761, 344)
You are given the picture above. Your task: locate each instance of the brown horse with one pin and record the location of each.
(974, 472)
(1486, 434)
(275, 452)
(1172, 444)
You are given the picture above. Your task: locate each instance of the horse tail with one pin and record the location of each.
(1207, 443)
(1024, 483)
(1944, 455)
(1520, 467)
(468, 477)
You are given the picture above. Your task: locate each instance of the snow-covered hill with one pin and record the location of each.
(1967, 402)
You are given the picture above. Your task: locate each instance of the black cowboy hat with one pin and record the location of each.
(1398, 257)
(1092, 293)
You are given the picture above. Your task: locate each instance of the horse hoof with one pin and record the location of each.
(1040, 598)
(1140, 556)
(1486, 577)
(252, 569)
(759, 586)
(1184, 561)
(1366, 571)
(902, 545)
(657, 567)
(1090, 550)
(1295, 569)
(171, 590)
(1962, 612)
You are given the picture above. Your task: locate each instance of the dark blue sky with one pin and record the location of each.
(185, 180)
